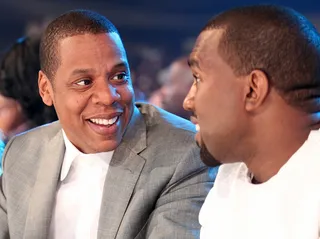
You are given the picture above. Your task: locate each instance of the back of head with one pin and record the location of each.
(183, 62)
(278, 41)
(175, 89)
(180, 72)
(76, 22)
(18, 80)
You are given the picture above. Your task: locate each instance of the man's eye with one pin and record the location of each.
(120, 77)
(84, 82)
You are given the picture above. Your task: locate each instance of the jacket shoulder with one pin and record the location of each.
(28, 142)
(161, 120)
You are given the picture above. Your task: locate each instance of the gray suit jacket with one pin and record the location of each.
(154, 188)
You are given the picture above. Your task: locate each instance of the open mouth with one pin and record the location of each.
(194, 120)
(104, 122)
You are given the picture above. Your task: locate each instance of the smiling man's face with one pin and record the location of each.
(91, 91)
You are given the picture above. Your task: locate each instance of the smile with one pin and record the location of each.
(104, 122)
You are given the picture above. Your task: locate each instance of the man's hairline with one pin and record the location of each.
(56, 47)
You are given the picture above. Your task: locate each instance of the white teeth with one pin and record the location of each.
(113, 120)
(105, 121)
(197, 128)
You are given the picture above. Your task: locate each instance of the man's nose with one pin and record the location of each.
(188, 103)
(105, 93)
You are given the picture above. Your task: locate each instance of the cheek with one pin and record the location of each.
(210, 109)
(70, 105)
(220, 116)
(127, 103)
(206, 103)
(127, 95)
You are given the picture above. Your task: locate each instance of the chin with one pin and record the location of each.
(106, 146)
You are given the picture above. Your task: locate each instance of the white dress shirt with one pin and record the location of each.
(79, 194)
(287, 206)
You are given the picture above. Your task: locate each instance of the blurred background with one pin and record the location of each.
(155, 32)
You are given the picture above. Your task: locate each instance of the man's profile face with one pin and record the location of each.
(92, 91)
(215, 98)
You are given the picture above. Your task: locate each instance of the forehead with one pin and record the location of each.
(206, 48)
(88, 47)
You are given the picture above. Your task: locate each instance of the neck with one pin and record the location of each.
(273, 148)
(267, 164)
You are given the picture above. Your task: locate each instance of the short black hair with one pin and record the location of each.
(19, 80)
(277, 40)
(76, 22)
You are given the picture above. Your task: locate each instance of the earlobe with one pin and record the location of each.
(45, 89)
(257, 90)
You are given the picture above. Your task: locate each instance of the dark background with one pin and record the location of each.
(154, 32)
(170, 24)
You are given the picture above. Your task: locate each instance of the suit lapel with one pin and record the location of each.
(44, 191)
(124, 171)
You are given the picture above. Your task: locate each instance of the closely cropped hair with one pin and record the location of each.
(72, 23)
(19, 80)
(279, 41)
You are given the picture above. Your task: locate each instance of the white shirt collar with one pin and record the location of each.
(72, 152)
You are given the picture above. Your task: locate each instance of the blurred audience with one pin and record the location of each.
(21, 107)
(35, 28)
(139, 95)
(148, 62)
(175, 88)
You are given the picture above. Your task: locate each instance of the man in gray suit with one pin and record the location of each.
(108, 168)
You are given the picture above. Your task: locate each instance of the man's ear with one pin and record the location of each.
(45, 88)
(257, 89)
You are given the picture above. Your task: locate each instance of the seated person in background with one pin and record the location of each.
(171, 94)
(21, 107)
(256, 98)
(109, 168)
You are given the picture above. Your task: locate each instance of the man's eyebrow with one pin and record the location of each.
(86, 71)
(82, 71)
(120, 65)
